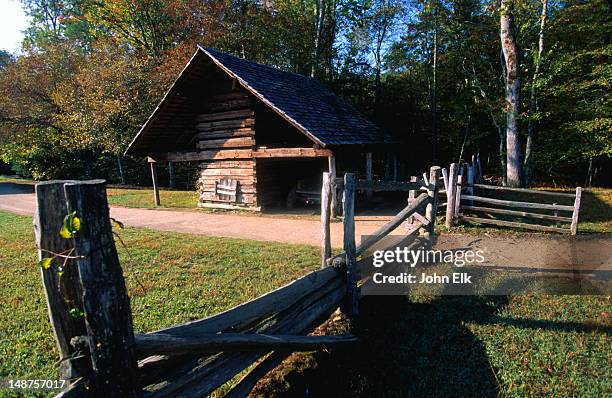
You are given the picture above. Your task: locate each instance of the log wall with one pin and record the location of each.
(227, 122)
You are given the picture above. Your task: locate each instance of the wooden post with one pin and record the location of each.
(445, 179)
(574, 226)
(331, 160)
(106, 304)
(451, 195)
(470, 180)
(348, 206)
(369, 173)
(479, 167)
(411, 196)
(458, 195)
(432, 192)
(325, 216)
(172, 180)
(62, 294)
(153, 163)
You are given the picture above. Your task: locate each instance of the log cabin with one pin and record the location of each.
(255, 131)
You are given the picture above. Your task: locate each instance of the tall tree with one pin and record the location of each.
(513, 92)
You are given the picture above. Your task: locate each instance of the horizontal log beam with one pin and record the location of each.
(226, 143)
(156, 344)
(515, 224)
(230, 133)
(208, 117)
(291, 153)
(511, 203)
(517, 213)
(534, 191)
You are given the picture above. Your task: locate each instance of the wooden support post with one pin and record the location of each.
(574, 226)
(479, 166)
(325, 219)
(445, 179)
(172, 180)
(432, 192)
(458, 195)
(331, 160)
(153, 164)
(351, 306)
(63, 294)
(451, 195)
(106, 305)
(411, 196)
(470, 180)
(369, 173)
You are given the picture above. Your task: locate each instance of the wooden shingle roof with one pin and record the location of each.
(302, 101)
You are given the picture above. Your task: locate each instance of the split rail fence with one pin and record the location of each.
(90, 312)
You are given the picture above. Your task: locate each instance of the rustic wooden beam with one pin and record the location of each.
(458, 194)
(576, 211)
(432, 206)
(230, 133)
(511, 203)
(63, 295)
(411, 196)
(517, 213)
(106, 305)
(226, 143)
(153, 165)
(325, 219)
(515, 224)
(156, 344)
(225, 124)
(246, 384)
(530, 191)
(291, 153)
(352, 293)
(209, 117)
(331, 163)
(451, 195)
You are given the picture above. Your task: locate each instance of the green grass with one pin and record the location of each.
(186, 277)
(143, 198)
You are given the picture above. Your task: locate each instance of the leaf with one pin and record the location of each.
(45, 262)
(117, 223)
(60, 271)
(72, 224)
(76, 313)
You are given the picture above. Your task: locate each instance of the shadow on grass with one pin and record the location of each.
(407, 349)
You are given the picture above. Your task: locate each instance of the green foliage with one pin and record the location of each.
(71, 225)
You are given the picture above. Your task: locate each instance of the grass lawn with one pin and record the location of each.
(417, 346)
(143, 198)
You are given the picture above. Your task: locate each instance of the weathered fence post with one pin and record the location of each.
(451, 195)
(459, 187)
(325, 216)
(348, 206)
(574, 226)
(153, 165)
(334, 190)
(432, 206)
(411, 196)
(63, 294)
(106, 304)
(479, 165)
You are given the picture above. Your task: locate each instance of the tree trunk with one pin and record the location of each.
(319, 20)
(120, 166)
(533, 107)
(513, 88)
(434, 106)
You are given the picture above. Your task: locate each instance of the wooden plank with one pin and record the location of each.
(514, 224)
(517, 213)
(530, 191)
(227, 206)
(411, 196)
(511, 203)
(351, 306)
(451, 196)
(445, 179)
(209, 117)
(576, 211)
(246, 384)
(227, 164)
(380, 185)
(291, 153)
(325, 219)
(228, 105)
(393, 223)
(331, 163)
(61, 298)
(226, 143)
(209, 343)
(225, 124)
(231, 133)
(458, 193)
(432, 206)
(227, 172)
(106, 305)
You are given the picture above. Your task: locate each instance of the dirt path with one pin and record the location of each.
(19, 199)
